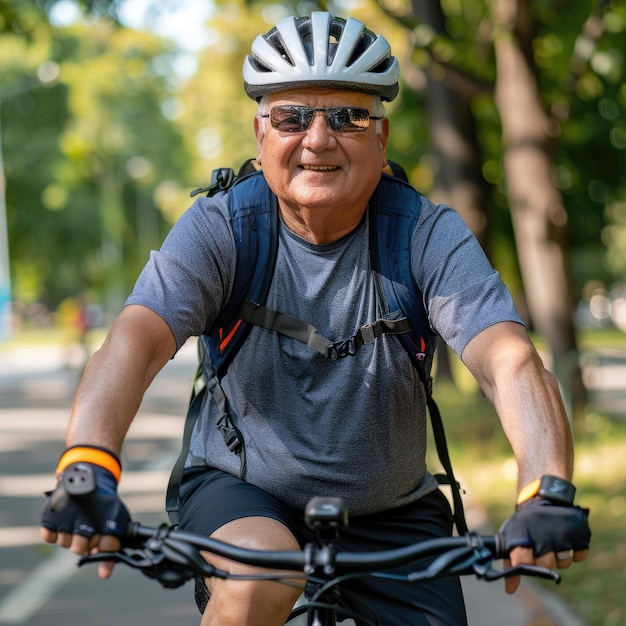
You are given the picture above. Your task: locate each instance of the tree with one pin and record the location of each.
(88, 158)
(448, 97)
(510, 73)
(539, 217)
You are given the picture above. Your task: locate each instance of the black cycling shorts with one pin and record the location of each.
(211, 498)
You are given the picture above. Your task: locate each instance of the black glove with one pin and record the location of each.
(546, 527)
(85, 500)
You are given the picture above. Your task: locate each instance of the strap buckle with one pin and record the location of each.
(230, 434)
(221, 179)
(341, 349)
(231, 439)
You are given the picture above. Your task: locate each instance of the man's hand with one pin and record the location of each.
(84, 512)
(542, 533)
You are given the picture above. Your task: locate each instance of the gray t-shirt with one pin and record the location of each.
(355, 427)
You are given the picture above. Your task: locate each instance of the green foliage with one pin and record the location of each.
(579, 50)
(217, 116)
(582, 82)
(101, 139)
(86, 154)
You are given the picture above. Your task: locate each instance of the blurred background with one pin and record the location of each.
(512, 111)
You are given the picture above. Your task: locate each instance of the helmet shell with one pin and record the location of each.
(321, 51)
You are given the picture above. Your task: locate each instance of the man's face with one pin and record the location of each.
(321, 168)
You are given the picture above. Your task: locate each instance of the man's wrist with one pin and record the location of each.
(548, 488)
(91, 454)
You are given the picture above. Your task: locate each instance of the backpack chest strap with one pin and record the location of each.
(295, 328)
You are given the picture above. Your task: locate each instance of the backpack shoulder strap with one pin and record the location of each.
(394, 213)
(254, 215)
(393, 221)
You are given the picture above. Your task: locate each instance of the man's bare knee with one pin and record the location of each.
(251, 602)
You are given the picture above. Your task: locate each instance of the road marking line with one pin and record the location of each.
(48, 423)
(13, 536)
(30, 595)
(25, 599)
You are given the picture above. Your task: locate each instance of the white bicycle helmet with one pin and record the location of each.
(321, 51)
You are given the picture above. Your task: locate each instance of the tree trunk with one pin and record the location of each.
(539, 218)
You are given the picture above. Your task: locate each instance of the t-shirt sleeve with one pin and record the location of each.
(462, 292)
(187, 281)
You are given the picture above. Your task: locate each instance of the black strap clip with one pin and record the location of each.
(342, 349)
(230, 435)
(221, 178)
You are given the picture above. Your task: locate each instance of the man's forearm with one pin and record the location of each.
(536, 425)
(527, 399)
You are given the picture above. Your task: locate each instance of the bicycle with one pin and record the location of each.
(173, 557)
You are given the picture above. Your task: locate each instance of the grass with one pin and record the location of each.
(482, 459)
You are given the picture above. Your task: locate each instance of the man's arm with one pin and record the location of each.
(528, 402)
(136, 348)
(138, 345)
(527, 399)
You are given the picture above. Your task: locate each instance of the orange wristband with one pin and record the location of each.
(87, 454)
(528, 492)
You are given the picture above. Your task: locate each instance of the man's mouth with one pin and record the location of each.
(320, 168)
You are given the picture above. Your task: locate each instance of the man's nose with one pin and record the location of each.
(319, 133)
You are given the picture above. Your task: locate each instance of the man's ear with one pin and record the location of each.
(384, 137)
(259, 132)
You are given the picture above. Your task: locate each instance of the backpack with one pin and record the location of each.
(254, 213)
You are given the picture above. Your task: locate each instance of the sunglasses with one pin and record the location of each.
(298, 119)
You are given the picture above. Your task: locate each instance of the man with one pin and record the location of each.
(352, 427)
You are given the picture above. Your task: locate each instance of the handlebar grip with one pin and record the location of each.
(499, 551)
(137, 535)
(132, 538)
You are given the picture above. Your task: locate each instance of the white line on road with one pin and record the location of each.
(14, 536)
(32, 593)
(53, 422)
(25, 599)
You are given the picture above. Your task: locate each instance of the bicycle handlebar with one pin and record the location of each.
(303, 560)
(172, 556)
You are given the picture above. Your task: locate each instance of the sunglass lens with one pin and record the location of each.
(291, 119)
(348, 119)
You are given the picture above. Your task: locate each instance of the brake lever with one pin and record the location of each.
(137, 559)
(152, 565)
(488, 573)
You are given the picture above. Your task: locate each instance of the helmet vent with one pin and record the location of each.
(276, 41)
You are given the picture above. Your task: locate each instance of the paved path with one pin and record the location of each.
(40, 584)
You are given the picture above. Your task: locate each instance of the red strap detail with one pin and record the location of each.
(224, 341)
